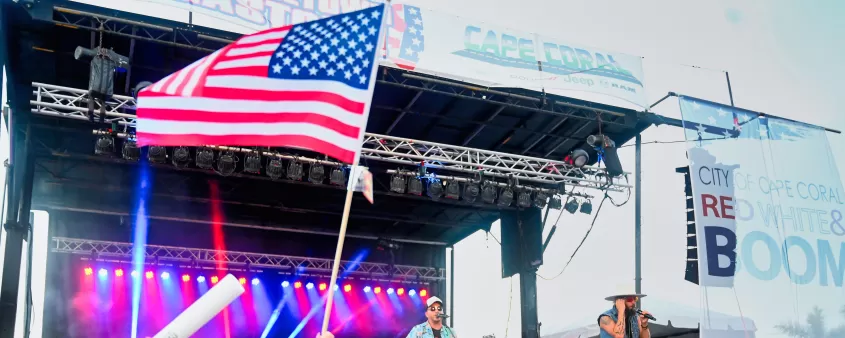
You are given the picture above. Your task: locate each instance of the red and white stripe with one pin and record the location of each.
(227, 98)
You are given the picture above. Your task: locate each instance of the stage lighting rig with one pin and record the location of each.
(540, 200)
(571, 206)
(205, 158)
(471, 192)
(316, 174)
(453, 190)
(252, 163)
(104, 62)
(587, 207)
(523, 199)
(577, 158)
(415, 186)
(555, 203)
(337, 177)
(606, 149)
(226, 163)
(397, 183)
(295, 171)
(157, 154)
(181, 157)
(505, 198)
(275, 168)
(130, 151)
(104, 145)
(488, 193)
(435, 188)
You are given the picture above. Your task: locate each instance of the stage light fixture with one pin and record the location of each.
(226, 163)
(367, 289)
(181, 157)
(322, 286)
(389, 291)
(587, 207)
(488, 193)
(309, 286)
(523, 200)
(134, 274)
(540, 199)
(201, 279)
(131, 152)
(148, 275)
(577, 158)
(336, 287)
(285, 284)
(555, 203)
(297, 285)
(316, 174)
(435, 188)
(104, 145)
(103, 272)
(214, 279)
(453, 190)
(255, 281)
(186, 278)
(252, 163)
(275, 169)
(205, 158)
(165, 275)
(118, 273)
(89, 271)
(377, 289)
(412, 293)
(337, 177)
(397, 184)
(295, 170)
(347, 288)
(571, 206)
(242, 281)
(423, 293)
(400, 291)
(415, 186)
(471, 191)
(506, 198)
(157, 154)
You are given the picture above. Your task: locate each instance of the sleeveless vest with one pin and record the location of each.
(613, 315)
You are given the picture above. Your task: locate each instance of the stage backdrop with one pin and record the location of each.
(440, 44)
(768, 205)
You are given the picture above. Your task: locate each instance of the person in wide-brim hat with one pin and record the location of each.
(622, 320)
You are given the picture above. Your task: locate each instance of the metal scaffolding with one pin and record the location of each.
(72, 103)
(307, 265)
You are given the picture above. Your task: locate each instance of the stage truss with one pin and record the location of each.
(302, 265)
(72, 103)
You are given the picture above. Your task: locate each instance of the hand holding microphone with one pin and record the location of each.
(646, 315)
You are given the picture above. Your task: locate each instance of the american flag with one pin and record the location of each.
(405, 39)
(705, 120)
(306, 86)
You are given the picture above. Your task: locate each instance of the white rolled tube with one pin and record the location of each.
(204, 309)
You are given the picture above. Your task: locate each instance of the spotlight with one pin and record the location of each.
(377, 289)
(397, 184)
(555, 203)
(186, 278)
(523, 200)
(423, 293)
(131, 152)
(389, 291)
(453, 190)
(571, 206)
(322, 286)
(412, 293)
(488, 193)
(214, 279)
(335, 287)
(435, 188)
(317, 174)
(255, 281)
(506, 198)
(118, 273)
(415, 186)
(297, 285)
(242, 281)
(205, 158)
(347, 288)
(295, 170)
(540, 200)
(337, 177)
(226, 163)
(157, 154)
(400, 291)
(104, 145)
(285, 284)
(165, 275)
(252, 163)
(148, 274)
(275, 169)
(309, 286)
(471, 191)
(89, 271)
(103, 272)
(201, 279)
(134, 274)
(367, 289)
(577, 158)
(587, 207)
(181, 157)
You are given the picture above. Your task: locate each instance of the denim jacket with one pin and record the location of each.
(424, 331)
(613, 314)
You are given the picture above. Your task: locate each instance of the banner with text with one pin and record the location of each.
(768, 205)
(449, 46)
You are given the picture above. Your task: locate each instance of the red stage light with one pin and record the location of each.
(377, 289)
(297, 285)
(118, 272)
(214, 279)
(89, 271)
(242, 281)
(347, 288)
(400, 292)
(423, 293)
(149, 274)
(322, 286)
(186, 278)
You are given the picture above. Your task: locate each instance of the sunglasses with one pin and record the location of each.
(435, 308)
(631, 299)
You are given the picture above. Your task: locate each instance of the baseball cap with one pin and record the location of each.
(432, 300)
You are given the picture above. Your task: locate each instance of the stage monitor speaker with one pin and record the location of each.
(522, 241)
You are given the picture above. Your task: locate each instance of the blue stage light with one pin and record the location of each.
(104, 272)
(255, 281)
(134, 274)
(367, 289)
(389, 291)
(412, 293)
(285, 284)
(165, 275)
(309, 286)
(201, 279)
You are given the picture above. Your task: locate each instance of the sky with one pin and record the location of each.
(783, 57)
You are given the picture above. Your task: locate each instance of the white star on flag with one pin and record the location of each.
(700, 128)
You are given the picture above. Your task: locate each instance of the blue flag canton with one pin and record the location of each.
(413, 41)
(707, 120)
(338, 48)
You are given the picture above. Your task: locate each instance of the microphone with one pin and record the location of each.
(650, 317)
(442, 315)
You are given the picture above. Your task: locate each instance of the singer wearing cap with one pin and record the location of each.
(433, 327)
(623, 320)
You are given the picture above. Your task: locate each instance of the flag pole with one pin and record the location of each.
(350, 188)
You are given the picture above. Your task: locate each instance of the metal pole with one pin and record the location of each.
(638, 209)
(730, 91)
(452, 287)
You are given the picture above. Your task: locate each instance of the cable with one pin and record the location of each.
(582, 241)
(677, 141)
(510, 305)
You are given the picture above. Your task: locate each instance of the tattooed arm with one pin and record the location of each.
(614, 328)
